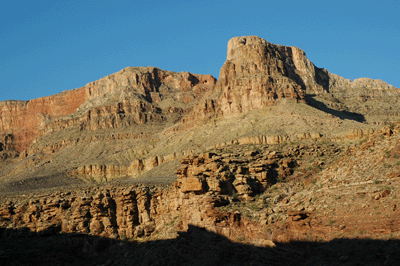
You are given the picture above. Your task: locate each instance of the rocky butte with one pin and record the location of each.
(275, 153)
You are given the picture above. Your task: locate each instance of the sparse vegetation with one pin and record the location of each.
(278, 188)
(314, 199)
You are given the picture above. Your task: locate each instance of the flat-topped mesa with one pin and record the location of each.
(257, 73)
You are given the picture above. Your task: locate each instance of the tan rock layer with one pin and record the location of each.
(107, 213)
(223, 174)
(204, 183)
(256, 73)
(108, 172)
(154, 106)
(120, 100)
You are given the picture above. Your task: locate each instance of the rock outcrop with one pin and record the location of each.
(276, 151)
(133, 121)
(220, 194)
(205, 181)
(256, 73)
(124, 111)
(243, 192)
(124, 212)
(226, 174)
(119, 100)
(22, 120)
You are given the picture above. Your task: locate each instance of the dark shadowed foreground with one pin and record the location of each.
(197, 246)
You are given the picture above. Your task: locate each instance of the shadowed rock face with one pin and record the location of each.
(139, 118)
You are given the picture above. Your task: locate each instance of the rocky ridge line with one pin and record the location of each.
(135, 120)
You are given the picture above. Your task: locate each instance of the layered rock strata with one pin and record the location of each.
(110, 124)
(256, 73)
(22, 120)
(120, 100)
(204, 182)
(260, 182)
(135, 120)
(227, 174)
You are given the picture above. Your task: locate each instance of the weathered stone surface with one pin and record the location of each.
(205, 182)
(134, 121)
(192, 184)
(225, 177)
(256, 73)
(22, 120)
(113, 116)
(322, 205)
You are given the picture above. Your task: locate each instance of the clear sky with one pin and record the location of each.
(50, 46)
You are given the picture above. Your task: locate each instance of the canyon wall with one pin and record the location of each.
(24, 119)
(246, 193)
(205, 181)
(102, 104)
(255, 74)
(114, 127)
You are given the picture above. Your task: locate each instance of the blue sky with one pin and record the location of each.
(50, 46)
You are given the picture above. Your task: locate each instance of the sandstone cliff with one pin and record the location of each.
(22, 120)
(124, 111)
(256, 73)
(259, 194)
(141, 119)
(276, 151)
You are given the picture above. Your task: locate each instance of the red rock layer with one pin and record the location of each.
(23, 120)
